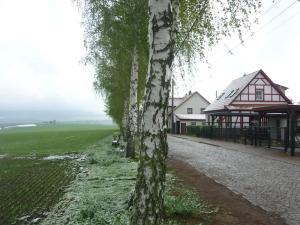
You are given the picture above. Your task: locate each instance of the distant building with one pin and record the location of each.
(188, 110)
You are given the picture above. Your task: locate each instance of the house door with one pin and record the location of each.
(183, 128)
(177, 127)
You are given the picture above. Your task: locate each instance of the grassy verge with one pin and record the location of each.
(183, 205)
(51, 139)
(101, 192)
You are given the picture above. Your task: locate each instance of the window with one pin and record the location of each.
(232, 93)
(229, 94)
(189, 110)
(202, 110)
(259, 95)
(221, 95)
(193, 123)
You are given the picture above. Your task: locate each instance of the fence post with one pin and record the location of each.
(269, 137)
(255, 136)
(251, 135)
(260, 135)
(234, 135)
(286, 139)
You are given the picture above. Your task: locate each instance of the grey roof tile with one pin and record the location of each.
(229, 94)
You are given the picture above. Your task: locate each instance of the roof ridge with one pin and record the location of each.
(188, 97)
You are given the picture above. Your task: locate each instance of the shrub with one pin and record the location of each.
(184, 202)
(193, 130)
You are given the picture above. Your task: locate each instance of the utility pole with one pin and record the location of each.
(172, 114)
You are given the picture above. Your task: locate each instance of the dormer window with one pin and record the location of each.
(189, 110)
(229, 94)
(221, 95)
(232, 93)
(259, 94)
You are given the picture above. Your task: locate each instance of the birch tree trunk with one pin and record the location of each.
(148, 199)
(133, 107)
(125, 123)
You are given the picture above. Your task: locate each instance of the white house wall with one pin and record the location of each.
(195, 102)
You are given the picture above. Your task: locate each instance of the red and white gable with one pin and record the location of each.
(261, 91)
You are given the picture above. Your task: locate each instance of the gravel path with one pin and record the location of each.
(269, 183)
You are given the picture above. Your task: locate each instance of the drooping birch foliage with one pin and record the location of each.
(182, 28)
(113, 29)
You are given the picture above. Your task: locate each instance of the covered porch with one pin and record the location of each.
(291, 114)
(273, 126)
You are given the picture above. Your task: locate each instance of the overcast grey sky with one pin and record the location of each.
(274, 48)
(41, 44)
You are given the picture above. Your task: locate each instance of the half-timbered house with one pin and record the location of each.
(255, 107)
(234, 106)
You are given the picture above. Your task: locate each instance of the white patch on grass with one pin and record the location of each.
(78, 157)
(21, 126)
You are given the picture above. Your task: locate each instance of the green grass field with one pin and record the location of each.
(97, 189)
(30, 186)
(51, 139)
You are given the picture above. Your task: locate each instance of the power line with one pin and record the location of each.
(270, 8)
(284, 22)
(197, 18)
(261, 16)
(230, 51)
(279, 14)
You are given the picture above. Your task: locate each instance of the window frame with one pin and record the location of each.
(191, 110)
(261, 95)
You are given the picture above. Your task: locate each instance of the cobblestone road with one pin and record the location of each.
(269, 183)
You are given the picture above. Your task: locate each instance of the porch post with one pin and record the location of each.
(211, 127)
(292, 132)
(287, 133)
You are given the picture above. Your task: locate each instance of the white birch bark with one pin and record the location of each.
(125, 122)
(175, 8)
(133, 107)
(148, 201)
